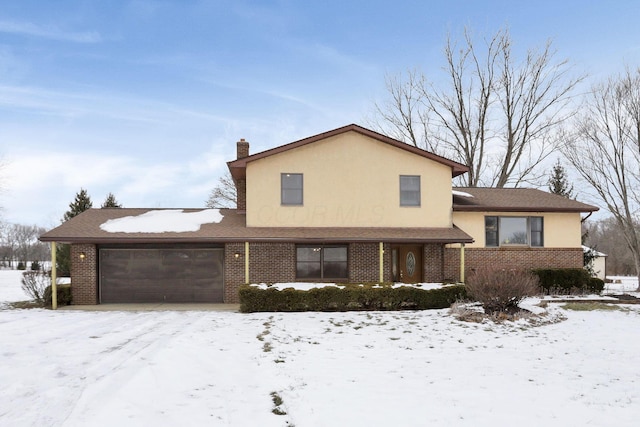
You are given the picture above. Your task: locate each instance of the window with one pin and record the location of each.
(291, 188)
(491, 230)
(409, 190)
(514, 230)
(321, 262)
(537, 234)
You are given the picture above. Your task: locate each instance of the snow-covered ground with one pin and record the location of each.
(621, 284)
(71, 368)
(10, 287)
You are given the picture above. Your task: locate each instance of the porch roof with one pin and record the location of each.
(85, 228)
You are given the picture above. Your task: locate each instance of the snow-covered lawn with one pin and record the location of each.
(71, 368)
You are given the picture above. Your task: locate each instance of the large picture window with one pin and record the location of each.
(291, 188)
(514, 231)
(321, 262)
(409, 190)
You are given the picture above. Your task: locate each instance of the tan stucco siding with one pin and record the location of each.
(561, 230)
(349, 180)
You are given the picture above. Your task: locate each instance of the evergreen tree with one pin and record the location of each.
(558, 182)
(81, 203)
(111, 202)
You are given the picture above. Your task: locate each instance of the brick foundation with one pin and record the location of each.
(84, 276)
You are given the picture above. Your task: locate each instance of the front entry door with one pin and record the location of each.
(408, 263)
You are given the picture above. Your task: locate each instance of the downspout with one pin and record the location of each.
(381, 262)
(54, 278)
(246, 263)
(462, 262)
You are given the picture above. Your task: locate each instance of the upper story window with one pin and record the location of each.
(409, 190)
(291, 189)
(514, 231)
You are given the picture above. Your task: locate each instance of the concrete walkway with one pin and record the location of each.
(154, 307)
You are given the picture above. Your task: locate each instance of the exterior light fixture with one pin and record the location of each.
(237, 255)
(82, 255)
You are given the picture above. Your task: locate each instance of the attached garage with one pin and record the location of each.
(148, 275)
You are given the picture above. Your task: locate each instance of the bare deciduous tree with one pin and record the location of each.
(19, 242)
(224, 194)
(606, 236)
(604, 147)
(497, 115)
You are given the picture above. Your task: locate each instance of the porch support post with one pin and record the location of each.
(54, 278)
(462, 262)
(381, 251)
(246, 262)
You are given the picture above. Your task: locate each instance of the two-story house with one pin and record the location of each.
(348, 205)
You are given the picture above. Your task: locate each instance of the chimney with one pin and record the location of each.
(241, 184)
(242, 148)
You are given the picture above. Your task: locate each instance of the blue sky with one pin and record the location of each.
(146, 99)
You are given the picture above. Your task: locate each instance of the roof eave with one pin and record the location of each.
(238, 167)
(466, 208)
(217, 240)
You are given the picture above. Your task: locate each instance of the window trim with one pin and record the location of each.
(530, 232)
(322, 248)
(419, 191)
(282, 189)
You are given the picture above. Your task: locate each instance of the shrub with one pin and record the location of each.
(35, 266)
(501, 290)
(21, 266)
(595, 285)
(34, 284)
(568, 281)
(349, 298)
(63, 293)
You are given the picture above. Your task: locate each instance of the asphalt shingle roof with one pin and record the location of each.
(515, 200)
(85, 228)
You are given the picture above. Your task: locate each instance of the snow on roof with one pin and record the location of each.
(461, 193)
(596, 253)
(163, 221)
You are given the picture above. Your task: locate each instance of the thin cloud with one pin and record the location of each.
(48, 32)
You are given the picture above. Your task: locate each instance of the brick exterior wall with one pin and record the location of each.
(268, 263)
(364, 262)
(433, 263)
(233, 271)
(272, 262)
(241, 194)
(84, 275)
(509, 258)
(242, 150)
(276, 262)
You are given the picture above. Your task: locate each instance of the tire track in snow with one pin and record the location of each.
(115, 368)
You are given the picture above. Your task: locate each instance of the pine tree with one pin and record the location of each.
(558, 182)
(111, 202)
(81, 203)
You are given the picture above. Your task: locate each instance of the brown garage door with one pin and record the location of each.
(161, 275)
